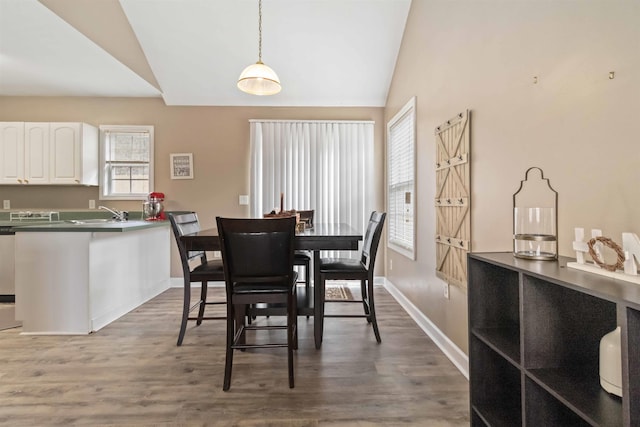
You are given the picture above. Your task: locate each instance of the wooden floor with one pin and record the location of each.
(132, 373)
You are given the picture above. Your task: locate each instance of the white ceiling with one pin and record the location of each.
(326, 52)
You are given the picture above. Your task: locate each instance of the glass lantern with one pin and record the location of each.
(535, 218)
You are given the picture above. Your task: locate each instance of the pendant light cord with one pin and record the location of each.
(260, 31)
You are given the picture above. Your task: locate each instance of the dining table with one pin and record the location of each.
(320, 237)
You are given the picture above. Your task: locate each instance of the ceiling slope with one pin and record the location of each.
(191, 52)
(42, 55)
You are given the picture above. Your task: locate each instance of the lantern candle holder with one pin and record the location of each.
(535, 219)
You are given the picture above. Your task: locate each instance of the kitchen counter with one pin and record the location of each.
(77, 278)
(78, 226)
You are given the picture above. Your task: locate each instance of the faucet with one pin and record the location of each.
(117, 215)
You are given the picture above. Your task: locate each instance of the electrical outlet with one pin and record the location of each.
(446, 290)
(6, 204)
(243, 199)
(92, 204)
(390, 264)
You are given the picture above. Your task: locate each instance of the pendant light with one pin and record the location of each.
(258, 78)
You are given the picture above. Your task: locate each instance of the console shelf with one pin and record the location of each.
(534, 334)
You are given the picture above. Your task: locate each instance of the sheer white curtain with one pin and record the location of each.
(321, 165)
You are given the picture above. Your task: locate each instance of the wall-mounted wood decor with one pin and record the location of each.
(453, 199)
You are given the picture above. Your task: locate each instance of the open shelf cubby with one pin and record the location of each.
(541, 323)
(496, 403)
(543, 409)
(496, 319)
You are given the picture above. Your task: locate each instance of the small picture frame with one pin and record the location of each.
(182, 166)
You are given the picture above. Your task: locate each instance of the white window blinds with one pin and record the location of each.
(401, 136)
(322, 165)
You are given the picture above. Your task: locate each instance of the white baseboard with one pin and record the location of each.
(8, 317)
(144, 295)
(452, 351)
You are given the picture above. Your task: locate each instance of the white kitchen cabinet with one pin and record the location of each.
(48, 153)
(36, 153)
(74, 154)
(11, 152)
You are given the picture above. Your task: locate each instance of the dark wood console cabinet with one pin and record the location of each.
(534, 336)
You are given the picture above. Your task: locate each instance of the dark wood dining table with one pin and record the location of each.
(322, 237)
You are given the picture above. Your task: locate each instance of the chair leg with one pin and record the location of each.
(228, 364)
(203, 302)
(307, 282)
(365, 299)
(291, 334)
(185, 310)
(372, 311)
(307, 277)
(240, 311)
(319, 290)
(294, 315)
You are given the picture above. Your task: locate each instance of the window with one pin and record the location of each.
(401, 141)
(322, 165)
(126, 162)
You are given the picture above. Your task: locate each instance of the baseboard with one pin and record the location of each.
(105, 318)
(452, 351)
(8, 317)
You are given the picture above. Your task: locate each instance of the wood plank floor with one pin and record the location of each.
(132, 373)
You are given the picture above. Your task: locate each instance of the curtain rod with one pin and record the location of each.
(311, 121)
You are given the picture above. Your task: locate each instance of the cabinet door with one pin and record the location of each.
(65, 156)
(36, 148)
(11, 152)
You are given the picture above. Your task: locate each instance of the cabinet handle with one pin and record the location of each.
(78, 181)
(20, 181)
(26, 181)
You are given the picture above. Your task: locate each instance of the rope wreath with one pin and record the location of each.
(610, 244)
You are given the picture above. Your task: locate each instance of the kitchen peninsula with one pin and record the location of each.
(77, 277)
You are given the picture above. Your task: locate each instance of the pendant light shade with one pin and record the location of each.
(258, 78)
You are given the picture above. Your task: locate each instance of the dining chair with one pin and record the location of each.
(257, 256)
(361, 269)
(303, 258)
(195, 268)
(306, 216)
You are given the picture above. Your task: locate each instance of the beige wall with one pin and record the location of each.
(576, 124)
(218, 137)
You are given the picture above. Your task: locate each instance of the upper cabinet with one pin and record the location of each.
(48, 153)
(74, 154)
(11, 152)
(36, 153)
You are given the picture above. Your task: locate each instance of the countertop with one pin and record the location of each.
(90, 227)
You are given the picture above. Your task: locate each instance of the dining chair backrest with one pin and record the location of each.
(182, 224)
(307, 217)
(257, 250)
(372, 239)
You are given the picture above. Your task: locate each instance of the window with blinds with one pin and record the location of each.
(327, 166)
(126, 171)
(401, 137)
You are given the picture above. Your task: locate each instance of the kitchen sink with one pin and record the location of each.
(92, 221)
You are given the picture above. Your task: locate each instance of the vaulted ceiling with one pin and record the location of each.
(191, 52)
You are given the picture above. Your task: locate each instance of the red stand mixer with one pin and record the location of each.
(152, 209)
